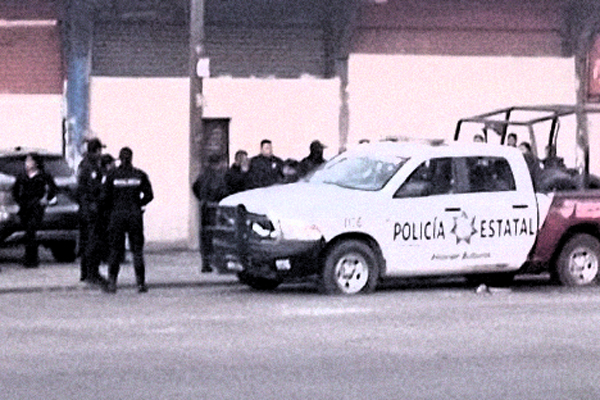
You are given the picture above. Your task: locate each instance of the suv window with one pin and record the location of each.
(54, 165)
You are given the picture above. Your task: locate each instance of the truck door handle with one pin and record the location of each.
(520, 206)
(452, 209)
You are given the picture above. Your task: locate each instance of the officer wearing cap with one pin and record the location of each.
(126, 192)
(313, 160)
(89, 187)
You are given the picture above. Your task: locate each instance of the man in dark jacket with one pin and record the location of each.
(209, 187)
(89, 189)
(313, 160)
(33, 190)
(236, 177)
(265, 168)
(126, 192)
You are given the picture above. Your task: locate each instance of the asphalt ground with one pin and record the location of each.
(164, 268)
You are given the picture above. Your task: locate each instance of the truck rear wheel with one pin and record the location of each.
(350, 267)
(578, 262)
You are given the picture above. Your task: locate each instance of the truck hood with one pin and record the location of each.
(296, 200)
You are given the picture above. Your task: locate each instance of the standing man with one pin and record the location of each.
(126, 192)
(107, 164)
(313, 160)
(236, 177)
(209, 187)
(265, 168)
(33, 190)
(89, 189)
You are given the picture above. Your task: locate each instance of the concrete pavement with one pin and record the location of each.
(164, 268)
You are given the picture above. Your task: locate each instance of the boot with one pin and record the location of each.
(111, 285)
(141, 284)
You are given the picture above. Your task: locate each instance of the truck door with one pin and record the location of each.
(422, 209)
(495, 225)
(460, 215)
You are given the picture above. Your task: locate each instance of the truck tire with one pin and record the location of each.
(258, 283)
(578, 262)
(63, 251)
(351, 267)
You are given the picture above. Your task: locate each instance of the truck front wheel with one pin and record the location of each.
(350, 267)
(578, 262)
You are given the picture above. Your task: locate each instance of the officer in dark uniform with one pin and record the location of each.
(126, 191)
(89, 188)
(266, 169)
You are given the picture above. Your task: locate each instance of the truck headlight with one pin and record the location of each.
(262, 231)
(298, 230)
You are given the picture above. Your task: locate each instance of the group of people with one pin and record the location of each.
(111, 202)
(264, 169)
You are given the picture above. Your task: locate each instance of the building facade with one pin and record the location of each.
(292, 71)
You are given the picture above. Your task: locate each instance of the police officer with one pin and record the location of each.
(126, 192)
(89, 188)
(266, 169)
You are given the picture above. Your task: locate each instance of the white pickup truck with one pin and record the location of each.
(393, 209)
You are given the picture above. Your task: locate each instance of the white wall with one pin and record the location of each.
(290, 112)
(152, 117)
(31, 121)
(424, 96)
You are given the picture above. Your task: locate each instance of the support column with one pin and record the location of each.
(79, 39)
(344, 117)
(196, 109)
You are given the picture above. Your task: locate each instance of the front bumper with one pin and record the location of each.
(236, 248)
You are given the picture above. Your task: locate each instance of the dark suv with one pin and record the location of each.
(59, 230)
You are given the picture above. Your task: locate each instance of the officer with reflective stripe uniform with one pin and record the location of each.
(126, 191)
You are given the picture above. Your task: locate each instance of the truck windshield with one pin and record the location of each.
(364, 172)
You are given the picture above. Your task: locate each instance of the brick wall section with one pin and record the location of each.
(284, 40)
(30, 9)
(146, 49)
(282, 52)
(30, 55)
(461, 27)
(136, 49)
